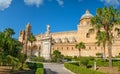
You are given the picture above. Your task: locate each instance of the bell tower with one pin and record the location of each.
(84, 26)
(28, 31)
(22, 36)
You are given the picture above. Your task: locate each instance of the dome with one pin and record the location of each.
(86, 15)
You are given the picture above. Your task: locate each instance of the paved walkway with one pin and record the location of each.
(54, 68)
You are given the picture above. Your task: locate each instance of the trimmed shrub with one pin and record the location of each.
(37, 59)
(99, 55)
(68, 58)
(38, 67)
(99, 62)
(79, 58)
(80, 70)
(105, 63)
(84, 61)
(39, 71)
(34, 66)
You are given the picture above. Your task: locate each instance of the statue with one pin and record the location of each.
(48, 30)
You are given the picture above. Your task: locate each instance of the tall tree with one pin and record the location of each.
(101, 39)
(106, 18)
(31, 39)
(80, 46)
(9, 47)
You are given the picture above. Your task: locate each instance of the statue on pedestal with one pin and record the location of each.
(48, 30)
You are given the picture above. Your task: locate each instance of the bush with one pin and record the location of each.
(68, 58)
(84, 61)
(104, 63)
(37, 59)
(99, 55)
(79, 58)
(39, 71)
(56, 56)
(80, 70)
(34, 66)
(99, 62)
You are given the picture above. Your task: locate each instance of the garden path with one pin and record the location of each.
(55, 68)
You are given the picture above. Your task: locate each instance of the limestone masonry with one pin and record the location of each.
(65, 41)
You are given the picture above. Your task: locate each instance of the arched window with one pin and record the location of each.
(87, 35)
(89, 47)
(72, 48)
(67, 48)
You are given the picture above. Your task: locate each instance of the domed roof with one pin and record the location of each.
(86, 15)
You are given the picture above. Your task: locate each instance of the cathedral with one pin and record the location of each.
(65, 42)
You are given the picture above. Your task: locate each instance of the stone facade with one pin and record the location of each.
(65, 41)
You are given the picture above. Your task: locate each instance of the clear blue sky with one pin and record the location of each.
(62, 15)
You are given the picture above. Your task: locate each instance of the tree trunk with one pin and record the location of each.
(31, 49)
(104, 53)
(79, 52)
(39, 51)
(110, 54)
(22, 65)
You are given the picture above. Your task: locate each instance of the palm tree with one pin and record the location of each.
(9, 32)
(39, 47)
(106, 18)
(101, 39)
(80, 46)
(9, 46)
(31, 39)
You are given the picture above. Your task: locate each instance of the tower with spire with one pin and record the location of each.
(24, 34)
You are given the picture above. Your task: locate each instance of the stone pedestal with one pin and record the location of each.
(46, 48)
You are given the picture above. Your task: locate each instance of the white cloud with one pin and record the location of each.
(60, 2)
(4, 4)
(115, 3)
(34, 2)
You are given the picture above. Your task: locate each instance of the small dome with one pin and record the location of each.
(86, 15)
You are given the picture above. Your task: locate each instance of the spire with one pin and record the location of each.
(28, 25)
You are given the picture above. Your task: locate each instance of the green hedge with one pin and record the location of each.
(80, 70)
(34, 66)
(80, 58)
(39, 71)
(105, 63)
(38, 67)
(37, 59)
